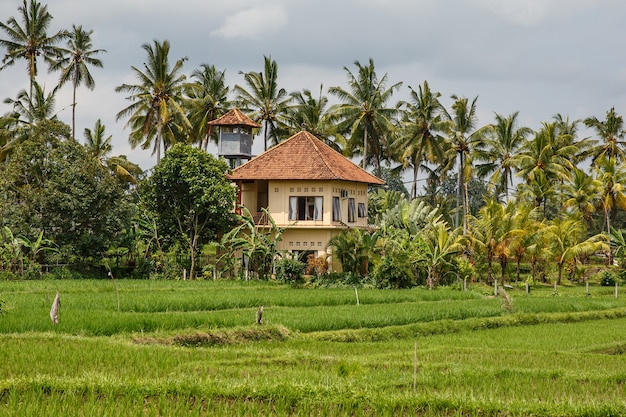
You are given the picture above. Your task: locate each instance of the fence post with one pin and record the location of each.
(616, 285)
(495, 287)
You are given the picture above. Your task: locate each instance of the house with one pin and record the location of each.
(308, 188)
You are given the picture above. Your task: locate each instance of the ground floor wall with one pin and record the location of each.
(316, 241)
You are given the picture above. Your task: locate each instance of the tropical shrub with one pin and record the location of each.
(394, 272)
(608, 280)
(290, 271)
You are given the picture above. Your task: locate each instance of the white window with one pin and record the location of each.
(361, 210)
(351, 210)
(336, 209)
(306, 208)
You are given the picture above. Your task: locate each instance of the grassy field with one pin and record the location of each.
(170, 348)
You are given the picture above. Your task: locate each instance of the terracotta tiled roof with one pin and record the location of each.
(302, 157)
(234, 117)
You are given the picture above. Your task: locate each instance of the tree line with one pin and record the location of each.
(490, 185)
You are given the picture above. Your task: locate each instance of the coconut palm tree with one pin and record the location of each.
(29, 109)
(74, 62)
(439, 246)
(498, 153)
(30, 40)
(356, 249)
(267, 102)
(463, 137)
(156, 116)
(493, 233)
(565, 235)
(100, 147)
(525, 218)
(418, 140)
(612, 176)
(207, 99)
(548, 159)
(582, 193)
(611, 133)
(312, 114)
(364, 112)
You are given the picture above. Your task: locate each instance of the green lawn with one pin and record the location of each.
(192, 348)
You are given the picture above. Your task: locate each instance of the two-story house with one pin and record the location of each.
(307, 187)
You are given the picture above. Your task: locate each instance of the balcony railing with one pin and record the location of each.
(261, 219)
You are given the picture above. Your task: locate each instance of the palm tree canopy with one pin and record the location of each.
(30, 40)
(312, 114)
(266, 101)
(498, 152)
(73, 63)
(207, 100)
(417, 139)
(75, 58)
(364, 113)
(156, 115)
(611, 133)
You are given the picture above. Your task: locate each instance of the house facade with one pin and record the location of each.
(308, 188)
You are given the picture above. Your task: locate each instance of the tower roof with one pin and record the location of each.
(302, 157)
(234, 117)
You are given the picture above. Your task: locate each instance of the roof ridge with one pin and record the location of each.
(322, 155)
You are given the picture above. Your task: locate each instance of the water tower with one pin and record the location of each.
(235, 136)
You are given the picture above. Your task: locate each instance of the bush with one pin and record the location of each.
(290, 271)
(608, 280)
(393, 273)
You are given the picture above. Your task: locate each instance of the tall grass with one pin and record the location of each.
(173, 350)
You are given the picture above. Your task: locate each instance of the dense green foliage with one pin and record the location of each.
(51, 184)
(500, 201)
(190, 198)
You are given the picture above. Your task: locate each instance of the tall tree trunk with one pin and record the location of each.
(159, 139)
(74, 113)
(459, 183)
(365, 147)
(414, 185)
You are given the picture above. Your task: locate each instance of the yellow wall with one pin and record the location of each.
(280, 191)
(307, 235)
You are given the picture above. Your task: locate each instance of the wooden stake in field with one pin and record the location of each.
(259, 315)
(54, 311)
(415, 367)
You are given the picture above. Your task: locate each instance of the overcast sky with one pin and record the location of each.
(538, 57)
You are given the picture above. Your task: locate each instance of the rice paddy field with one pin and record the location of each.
(192, 348)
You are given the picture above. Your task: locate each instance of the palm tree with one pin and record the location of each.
(207, 100)
(548, 159)
(612, 176)
(439, 246)
(311, 114)
(537, 191)
(73, 64)
(463, 138)
(565, 236)
(267, 102)
(356, 249)
(611, 133)
(364, 111)
(30, 109)
(30, 40)
(100, 147)
(582, 193)
(156, 115)
(525, 220)
(417, 139)
(494, 230)
(499, 152)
